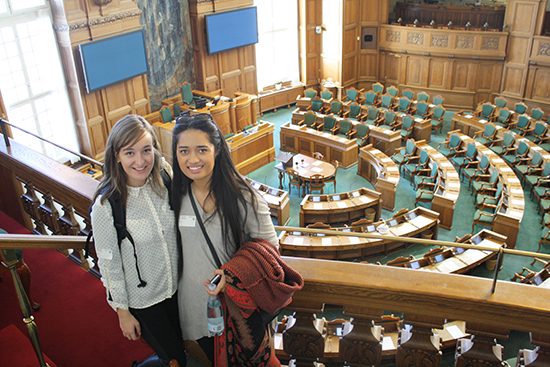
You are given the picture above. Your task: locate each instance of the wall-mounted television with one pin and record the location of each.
(112, 60)
(231, 29)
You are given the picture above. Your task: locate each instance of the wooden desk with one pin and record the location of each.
(272, 99)
(301, 139)
(341, 208)
(278, 201)
(381, 171)
(252, 149)
(301, 244)
(448, 189)
(306, 167)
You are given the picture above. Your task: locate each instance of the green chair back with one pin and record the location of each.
(494, 176)
(354, 109)
(409, 94)
(310, 93)
(351, 94)
(438, 100)
(345, 126)
(438, 112)
(335, 107)
(389, 117)
(508, 140)
(540, 128)
(408, 122)
(386, 100)
(186, 93)
(487, 110)
(372, 113)
(362, 130)
(455, 141)
(536, 160)
(471, 151)
(377, 88)
(537, 113)
(489, 131)
(523, 148)
(177, 109)
(326, 94)
(392, 91)
(370, 97)
(423, 97)
(421, 108)
(504, 115)
(166, 114)
(410, 147)
(520, 108)
(523, 121)
(310, 118)
(484, 162)
(316, 104)
(424, 157)
(329, 122)
(546, 170)
(404, 104)
(500, 102)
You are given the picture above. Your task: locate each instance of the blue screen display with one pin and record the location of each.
(231, 29)
(111, 60)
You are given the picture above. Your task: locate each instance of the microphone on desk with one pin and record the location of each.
(215, 101)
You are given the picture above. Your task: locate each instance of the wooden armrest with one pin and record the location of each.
(346, 114)
(489, 206)
(444, 143)
(482, 176)
(471, 163)
(351, 133)
(426, 184)
(478, 133)
(397, 149)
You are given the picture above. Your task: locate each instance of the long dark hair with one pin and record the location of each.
(127, 131)
(228, 189)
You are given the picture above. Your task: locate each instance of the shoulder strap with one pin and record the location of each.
(197, 215)
(167, 181)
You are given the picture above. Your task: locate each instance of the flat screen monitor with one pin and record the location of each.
(274, 192)
(231, 29)
(371, 228)
(112, 60)
(438, 258)
(414, 264)
(537, 280)
(335, 197)
(412, 215)
(476, 240)
(393, 222)
(315, 198)
(459, 250)
(256, 185)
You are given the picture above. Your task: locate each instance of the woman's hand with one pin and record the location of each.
(129, 325)
(221, 284)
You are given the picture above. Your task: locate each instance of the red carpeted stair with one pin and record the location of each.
(76, 326)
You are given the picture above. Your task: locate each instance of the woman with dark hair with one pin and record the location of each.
(140, 275)
(232, 213)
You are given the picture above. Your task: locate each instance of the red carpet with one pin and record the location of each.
(12, 339)
(76, 326)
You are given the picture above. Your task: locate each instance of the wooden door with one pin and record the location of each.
(310, 14)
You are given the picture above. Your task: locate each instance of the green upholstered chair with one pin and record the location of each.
(403, 105)
(392, 91)
(474, 169)
(539, 133)
(408, 93)
(500, 102)
(326, 95)
(166, 114)
(248, 127)
(187, 94)
(450, 147)
(437, 119)
(294, 180)
(316, 183)
(529, 167)
(378, 88)
(503, 117)
(228, 136)
(515, 156)
(489, 196)
(536, 113)
(521, 126)
(371, 99)
(486, 214)
(310, 93)
(346, 129)
(487, 111)
(403, 154)
(316, 105)
(462, 158)
(414, 165)
(535, 177)
(352, 95)
(486, 136)
(425, 192)
(423, 97)
(520, 108)
(372, 115)
(310, 120)
(363, 132)
(501, 146)
(329, 124)
(354, 112)
(386, 102)
(407, 126)
(426, 176)
(176, 110)
(438, 100)
(485, 182)
(421, 110)
(388, 121)
(335, 108)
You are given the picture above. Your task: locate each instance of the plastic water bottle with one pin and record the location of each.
(214, 313)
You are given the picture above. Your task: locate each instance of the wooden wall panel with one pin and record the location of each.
(464, 73)
(512, 82)
(368, 65)
(523, 17)
(309, 15)
(518, 50)
(414, 71)
(436, 78)
(392, 68)
(370, 11)
(541, 84)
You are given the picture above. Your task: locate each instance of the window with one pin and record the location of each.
(31, 78)
(277, 56)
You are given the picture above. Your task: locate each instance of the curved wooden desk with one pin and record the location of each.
(252, 149)
(277, 200)
(339, 208)
(381, 171)
(301, 244)
(448, 188)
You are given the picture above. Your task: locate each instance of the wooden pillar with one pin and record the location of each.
(419, 346)
(540, 357)
(482, 347)
(362, 346)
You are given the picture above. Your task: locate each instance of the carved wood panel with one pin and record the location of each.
(512, 80)
(437, 71)
(540, 89)
(414, 71)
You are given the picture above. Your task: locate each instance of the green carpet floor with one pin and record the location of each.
(348, 179)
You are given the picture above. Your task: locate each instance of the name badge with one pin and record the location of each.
(187, 220)
(105, 254)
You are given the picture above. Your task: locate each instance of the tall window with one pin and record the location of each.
(277, 56)
(31, 78)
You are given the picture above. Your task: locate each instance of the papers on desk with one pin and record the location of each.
(386, 160)
(468, 116)
(326, 241)
(455, 332)
(341, 204)
(392, 169)
(438, 156)
(272, 199)
(364, 199)
(431, 105)
(446, 164)
(318, 206)
(317, 169)
(516, 191)
(298, 241)
(516, 202)
(387, 343)
(498, 160)
(354, 240)
(418, 119)
(317, 163)
(483, 121)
